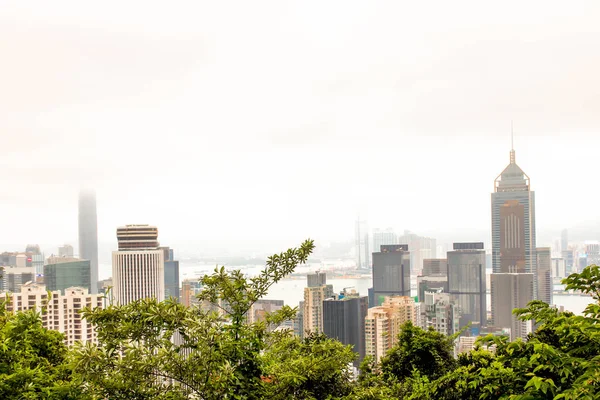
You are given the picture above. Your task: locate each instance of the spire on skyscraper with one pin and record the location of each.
(512, 144)
(512, 178)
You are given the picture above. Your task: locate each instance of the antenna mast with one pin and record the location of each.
(512, 143)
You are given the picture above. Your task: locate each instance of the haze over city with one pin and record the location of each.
(299, 200)
(248, 127)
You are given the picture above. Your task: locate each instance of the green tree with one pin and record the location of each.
(163, 350)
(426, 351)
(314, 368)
(560, 360)
(33, 360)
(418, 357)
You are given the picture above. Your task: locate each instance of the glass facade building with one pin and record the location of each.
(391, 272)
(344, 320)
(513, 222)
(514, 280)
(467, 282)
(61, 273)
(171, 274)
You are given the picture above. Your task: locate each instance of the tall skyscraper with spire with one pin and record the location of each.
(88, 234)
(513, 221)
(514, 277)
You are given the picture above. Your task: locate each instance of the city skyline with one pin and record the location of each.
(276, 126)
(284, 199)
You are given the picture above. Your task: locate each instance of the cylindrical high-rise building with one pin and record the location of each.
(88, 235)
(138, 266)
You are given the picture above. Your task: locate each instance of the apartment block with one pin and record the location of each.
(63, 311)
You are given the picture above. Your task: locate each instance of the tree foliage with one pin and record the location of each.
(163, 350)
(314, 368)
(428, 352)
(560, 360)
(33, 360)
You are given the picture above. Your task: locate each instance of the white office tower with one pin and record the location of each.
(138, 266)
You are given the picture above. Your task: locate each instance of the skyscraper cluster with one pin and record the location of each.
(141, 269)
(451, 290)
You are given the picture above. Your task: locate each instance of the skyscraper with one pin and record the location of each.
(383, 237)
(88, 234)
(427, 283)
(33, 249)
(441, 313)
(592, 250)
(564, 240)
(313, 307)
(435, 267)
(383, 323)
(317, 279)
(565, 252)
(61, 273)
(558, 268)
(513, 247)
(35, 258)
(138, 266)
(434, 276)
(66, 251)
(510, 291)
(344, 320)
(544, 278)
(362, 245)
(513, 221)
(391, 272)
(420, 247)
(467, 282)
(171, 274)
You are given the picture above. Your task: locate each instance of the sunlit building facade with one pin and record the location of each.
(138, 266)
(383, 324)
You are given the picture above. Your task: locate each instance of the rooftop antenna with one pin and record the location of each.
(512, 143)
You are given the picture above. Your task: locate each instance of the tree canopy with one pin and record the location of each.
(33, 360)
(560, 360)
(164, 350)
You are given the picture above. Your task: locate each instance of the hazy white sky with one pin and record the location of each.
(268, 122)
